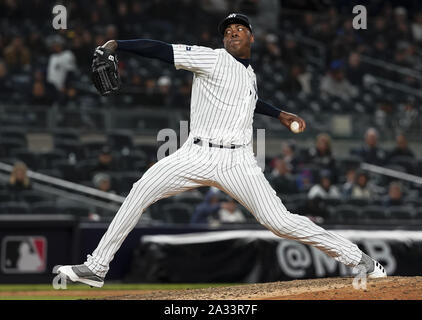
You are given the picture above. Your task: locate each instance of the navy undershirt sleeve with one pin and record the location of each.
(148, 48)
(265, 108)
(163, 51)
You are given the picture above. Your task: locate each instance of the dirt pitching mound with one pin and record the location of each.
(391, 288)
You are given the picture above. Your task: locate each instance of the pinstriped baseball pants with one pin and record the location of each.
(234, 171)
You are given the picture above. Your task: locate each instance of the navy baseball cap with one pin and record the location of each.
(234, 18)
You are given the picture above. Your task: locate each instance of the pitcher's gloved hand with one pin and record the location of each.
(105, 72)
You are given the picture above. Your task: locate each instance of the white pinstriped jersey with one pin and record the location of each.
(224, 94)
(222, 107)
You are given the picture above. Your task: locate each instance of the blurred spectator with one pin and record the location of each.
(298, 80)
(323, 32)
(111, 32)
(271, 46)
(379, 28)
(291, 53)
(60, 63)
(379, 49)
(383, 113)
(105, 161)
(37, 46)
(400, 56)
(83, 51)
(354, 70)
(181, 97)
(164, 86)
(395, 195)
(18, 180)
(308, 24)
(281, 178)
(401, 148)
(102, 182)
(207, 208)
(370, 152)
(400, 15)
(288, 154)
(5, 82)
(417, 27)
(335, 84)
(151, 94)
(229, 212)
(304, 180)
(407, 115)
(16, 55)
(362, 188)
(324, 189)
(39, 95)
(347, 187)
(321, 155)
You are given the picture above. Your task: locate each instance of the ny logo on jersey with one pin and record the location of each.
(188, 48)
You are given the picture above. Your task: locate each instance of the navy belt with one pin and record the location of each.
(200, 142)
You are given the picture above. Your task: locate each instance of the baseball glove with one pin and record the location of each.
(105, 73)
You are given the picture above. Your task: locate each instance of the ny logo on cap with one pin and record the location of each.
(233, 15)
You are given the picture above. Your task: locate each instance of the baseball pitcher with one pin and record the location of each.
(218, 151)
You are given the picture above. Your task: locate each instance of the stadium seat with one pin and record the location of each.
(51, 172)
(401, 212)
(373, 212)
(345, 213)
(298, 199)
(250, 218)
(70, 147)
(413, 201)
(349, 162)
(125, 180)
(178, 212)
(45, 207)
(67, 169)
(418, 214)
(419, 168)
(7, 133)
(159, 215)
(66, 134)
(150, 150)
(359, 202)
(15, 208)
(76, 210)
(408, 163)
(28, 157)
(6, 146)
(120, 140)
(190, 198)
(136, 160)
(46, 159)
(331, 202)
(5, 196)
(93, 148)
(84, 169)
(31, 196)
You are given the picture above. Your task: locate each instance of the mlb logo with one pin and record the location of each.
(24, 254)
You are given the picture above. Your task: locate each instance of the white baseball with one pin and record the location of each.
(294, 126)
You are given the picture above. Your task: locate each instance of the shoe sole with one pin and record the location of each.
(376, 275)
(379, 272)
(72, 276)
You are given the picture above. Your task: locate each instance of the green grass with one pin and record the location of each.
(16, 289)
(114, 286)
